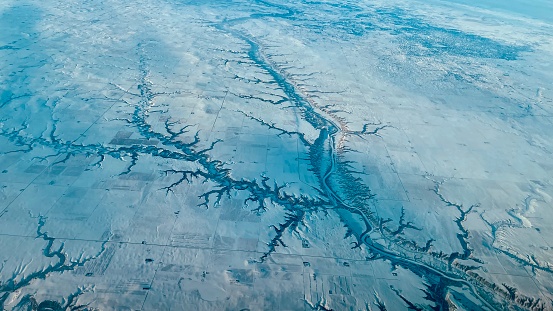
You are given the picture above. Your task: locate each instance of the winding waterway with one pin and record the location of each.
(325, 162)
(324, 159)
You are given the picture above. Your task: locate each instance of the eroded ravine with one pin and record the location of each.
(324, 158)
(324, 161)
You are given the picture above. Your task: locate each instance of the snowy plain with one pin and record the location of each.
(255, 155)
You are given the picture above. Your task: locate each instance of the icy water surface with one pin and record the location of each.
(259, 155)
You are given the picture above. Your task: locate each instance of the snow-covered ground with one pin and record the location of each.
(251, 155)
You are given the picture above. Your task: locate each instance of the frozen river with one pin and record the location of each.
(255, 155)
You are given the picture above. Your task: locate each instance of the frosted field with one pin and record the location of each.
(251, 155)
